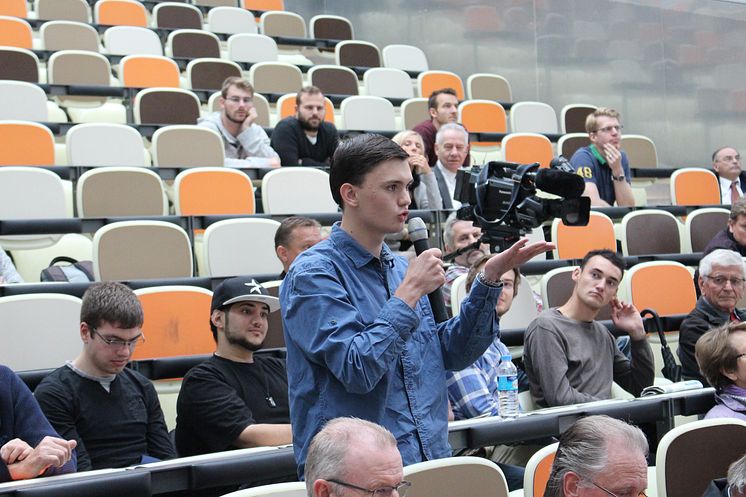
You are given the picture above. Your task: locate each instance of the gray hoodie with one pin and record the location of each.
(252, 142)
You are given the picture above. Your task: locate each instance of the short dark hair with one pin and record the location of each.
(355, 157)
(307, 90)
(607, 254)
(432, 102)
(290, 224)
(113, 303)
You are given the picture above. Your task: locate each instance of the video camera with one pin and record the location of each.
(500, 198)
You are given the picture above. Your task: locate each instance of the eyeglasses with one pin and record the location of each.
(729, 158)
(641, 494)
(609, 129)
(238, 100)
(116, 342)
(722, 280)
(400, 489)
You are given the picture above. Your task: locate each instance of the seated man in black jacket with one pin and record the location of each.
(112, 412)
(306, 139)
(733, 236)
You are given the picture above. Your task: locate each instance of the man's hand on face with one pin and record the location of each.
(251, 116)
(614, 159)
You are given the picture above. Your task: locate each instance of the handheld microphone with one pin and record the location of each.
(418, 237)
(564, 184)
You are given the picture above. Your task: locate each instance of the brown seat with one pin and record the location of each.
(703, 224)
(650, 231)
(572, 117)
(177, 16)
(193, 44)
(334, 80)
(166, 106)
(209, 74)
(331, 27)
(19, 64)
(357, 53)
(568, 144)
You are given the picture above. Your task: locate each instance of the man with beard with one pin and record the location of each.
(235, 399)
(306, 139)
(244, 140)
(603, 165)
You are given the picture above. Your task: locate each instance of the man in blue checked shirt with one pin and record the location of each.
(360, 334)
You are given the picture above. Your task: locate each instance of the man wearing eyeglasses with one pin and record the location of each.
(351, 456)
(246, 143)
(112, 412)
(600, 456)
(603, 165)
(721, 280)
(726, 162)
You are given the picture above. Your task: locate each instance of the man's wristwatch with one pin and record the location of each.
(618, 178)
(490, 283)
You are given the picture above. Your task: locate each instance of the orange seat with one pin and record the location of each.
(121, 13)
(207, 191)
(175, 322)
(665, 286)
(14, 8)
(483, 116)
(263, 4)
(573, 242)
(538, 471)
(149, 71)
(15, 32)
(527, 148)
(692, 186)
(25, 144)
(286, 107)
(429, 81)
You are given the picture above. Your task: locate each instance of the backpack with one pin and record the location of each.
(74, 271)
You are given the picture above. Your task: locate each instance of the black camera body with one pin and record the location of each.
(500, 198)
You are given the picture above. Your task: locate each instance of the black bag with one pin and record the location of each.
(74, 271)
(671, 369)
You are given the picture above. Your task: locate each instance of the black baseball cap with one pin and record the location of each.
(242, 289)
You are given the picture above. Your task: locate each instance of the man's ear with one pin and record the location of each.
(85, 332)
(570, 484)
(348, 192)
(576, 274)
(216, 318)
(433, 112)
(282, 253)
(322, 488)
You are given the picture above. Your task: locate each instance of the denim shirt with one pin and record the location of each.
(354, 349)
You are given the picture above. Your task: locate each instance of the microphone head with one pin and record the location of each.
(564, 184)
(417, 229)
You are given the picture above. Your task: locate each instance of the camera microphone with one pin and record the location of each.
(564, 184)
(418, 237)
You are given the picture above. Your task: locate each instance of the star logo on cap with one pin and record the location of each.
(254, 287)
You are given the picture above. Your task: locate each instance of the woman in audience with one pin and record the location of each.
(425, 187)
(721, 356)
(8, 273)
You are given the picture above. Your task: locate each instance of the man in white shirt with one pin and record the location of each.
(451, 147)
(726, 162)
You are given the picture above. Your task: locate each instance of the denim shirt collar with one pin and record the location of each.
(356, 252)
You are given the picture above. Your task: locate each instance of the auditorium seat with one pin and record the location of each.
(640, 150)
(290, 489)
(132, 40)
(166, 106)
(23, 101)
(30, 262)
(216, 3)
(120, 191)
(19, 64)
(213, 190)
(694, 186)
(252, 48)
(571, 142)
(366, 113)
(120, 13)
(331, 27)
(14, 8)
(15, 32)
(175, 15)
(533, 117)
(69, 35)
(405, 57)
(231, 20)
(25, 143)
(448, 476)
(192, 44)
(486, 86)
(297, 190)
(275, 77)
(149, 71)
(527, 148)
(702, 225)
(334, 80)
(63, 10)
(538, 469)
(263, 4)
(573, 242)
(483, 116)
(209, 74)
(355, 53)
(141, 250)
(105, 144)
(413, 112)
(283, 23)
(187, 146)
(429, 81)
(665, 286)
(650, 231)
(388, 83)
(573, 116)
(240, 247)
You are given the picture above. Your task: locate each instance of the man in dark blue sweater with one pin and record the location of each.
(29, 446)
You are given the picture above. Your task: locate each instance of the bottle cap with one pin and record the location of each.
(506, 357)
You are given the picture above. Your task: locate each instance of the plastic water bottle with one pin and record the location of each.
(507, 388)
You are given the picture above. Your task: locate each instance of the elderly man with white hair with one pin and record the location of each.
(721, 278)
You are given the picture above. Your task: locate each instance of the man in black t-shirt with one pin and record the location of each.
(235, 399)
(306, 139)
